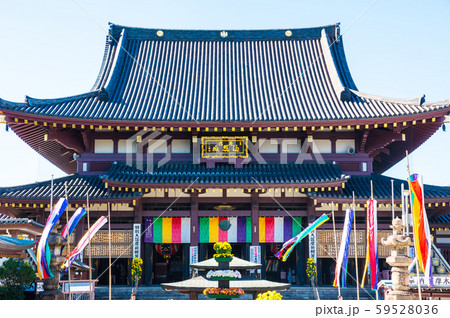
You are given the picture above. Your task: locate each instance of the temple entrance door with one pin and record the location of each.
(167, 263)
(273, 268)
(327, 267)
(119, 271)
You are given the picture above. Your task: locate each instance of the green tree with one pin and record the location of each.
(15, 276)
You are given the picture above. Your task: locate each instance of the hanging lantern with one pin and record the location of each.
(167, 250)
(273, 248)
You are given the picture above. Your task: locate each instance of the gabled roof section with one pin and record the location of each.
(290, 75)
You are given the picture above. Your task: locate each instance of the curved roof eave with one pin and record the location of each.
(331, 50)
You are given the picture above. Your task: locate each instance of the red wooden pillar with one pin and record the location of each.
(255, 218)
(194, 219)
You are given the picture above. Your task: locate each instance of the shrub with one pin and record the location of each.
(15, 276)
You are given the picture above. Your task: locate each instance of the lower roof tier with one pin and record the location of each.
(125, 184)
(382, 189)
(78, 187)
(252, 175)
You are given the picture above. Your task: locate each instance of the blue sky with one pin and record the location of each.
(52, 49)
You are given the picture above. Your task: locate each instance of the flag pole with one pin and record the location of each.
(89, 243)
(415, 241)
(335, 249)
(68, 237)
(109, 245)
(393, 212)
(408, 223)
(402, 188)
(51, 196)
(356, 251)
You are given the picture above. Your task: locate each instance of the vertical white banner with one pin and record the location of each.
(193, 256)
(255, 255)
(313, 245)
(136, 240)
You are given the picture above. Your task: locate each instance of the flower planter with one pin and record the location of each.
(222, 278)
(223, 259)
(215, 296)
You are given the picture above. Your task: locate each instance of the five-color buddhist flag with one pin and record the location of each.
(341, 262)
(421, 228)
(167, 230)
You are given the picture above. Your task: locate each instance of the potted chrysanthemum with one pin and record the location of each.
(223, 252)
(223, 293)
(223, 274)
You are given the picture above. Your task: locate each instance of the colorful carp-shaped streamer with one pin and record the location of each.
(68, 229)
(421, 228)
(76, 217)
(372, 245)
(43, 250)
(290, 244)
(83, 242)
(341, 262)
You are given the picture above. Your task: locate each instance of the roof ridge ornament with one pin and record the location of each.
(422, 100)
(346, 95)
(103, 95)
(337, 34)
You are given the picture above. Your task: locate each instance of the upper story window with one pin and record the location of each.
(268, 145)
(104, 146)
(322, 146)
(126, 146)
(181, 146)
(157, 146)
(344, 145)
(291, 145)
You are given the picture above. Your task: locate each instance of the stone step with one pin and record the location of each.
(155, 292)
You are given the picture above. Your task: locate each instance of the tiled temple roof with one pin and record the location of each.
(185, 173)
(77, 189)
(15, 221)
(443, 219)
(247, 76)
(360, 185)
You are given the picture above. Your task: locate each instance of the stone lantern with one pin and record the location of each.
(399, 260)
(51, 285)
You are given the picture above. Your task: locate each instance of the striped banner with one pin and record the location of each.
(239, 232)
(271, 229)
(177, 230)
(421, 228)
(278, 229)
(167, 230)
(342, 260)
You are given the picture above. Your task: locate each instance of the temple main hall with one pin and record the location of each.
(185, 129)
